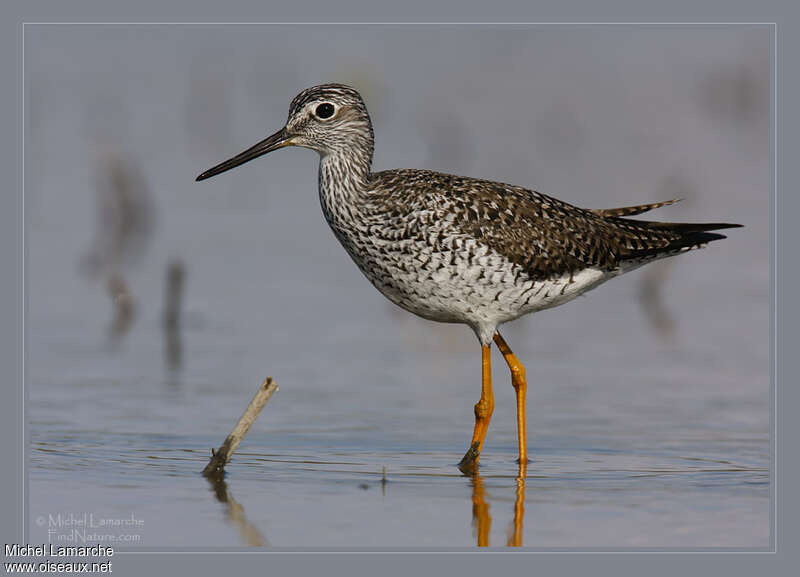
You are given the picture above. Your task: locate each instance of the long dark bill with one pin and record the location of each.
(274, 142)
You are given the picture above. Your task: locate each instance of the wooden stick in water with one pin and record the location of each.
(221, 456)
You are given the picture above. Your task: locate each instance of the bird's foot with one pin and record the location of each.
(469, 463)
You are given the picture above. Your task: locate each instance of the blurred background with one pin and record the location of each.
(156, 305)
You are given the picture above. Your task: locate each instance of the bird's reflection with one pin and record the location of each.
(515, 529)
(482, 519)
(249, 533)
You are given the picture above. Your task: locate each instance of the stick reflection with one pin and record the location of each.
(249, 533)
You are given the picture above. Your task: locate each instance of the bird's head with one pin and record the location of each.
(329, 118)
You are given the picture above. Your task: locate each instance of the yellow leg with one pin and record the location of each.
(520, 386)
(483, 413)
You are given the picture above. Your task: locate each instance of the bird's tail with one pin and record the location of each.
(666, 238)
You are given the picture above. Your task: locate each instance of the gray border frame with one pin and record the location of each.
(785, 85)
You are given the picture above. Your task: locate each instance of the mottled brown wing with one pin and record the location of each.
(549, 237)
(545, 236)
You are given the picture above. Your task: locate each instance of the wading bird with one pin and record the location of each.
(463, 250)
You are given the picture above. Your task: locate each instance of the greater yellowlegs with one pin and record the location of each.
(462, 250)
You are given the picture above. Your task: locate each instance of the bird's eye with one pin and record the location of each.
(324, 110)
